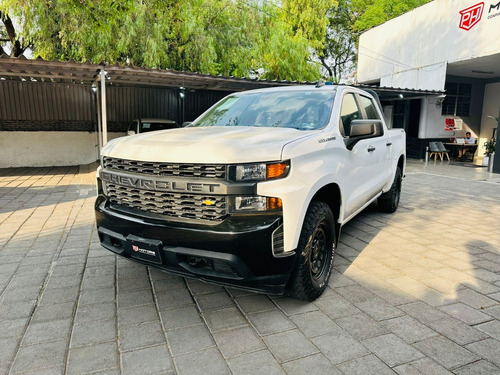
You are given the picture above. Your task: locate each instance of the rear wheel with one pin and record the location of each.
(389, 202)
(315, 253)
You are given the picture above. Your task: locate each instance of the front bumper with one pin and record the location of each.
(238, 252)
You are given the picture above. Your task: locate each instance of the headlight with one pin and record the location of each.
(254, 204)
(259, 171)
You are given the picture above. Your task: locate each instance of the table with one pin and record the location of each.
(459, 146)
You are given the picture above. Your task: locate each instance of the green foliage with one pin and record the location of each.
(228, 37)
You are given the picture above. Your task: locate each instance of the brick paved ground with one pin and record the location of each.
(416, 292)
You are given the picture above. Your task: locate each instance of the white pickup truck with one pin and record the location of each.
(253, 193)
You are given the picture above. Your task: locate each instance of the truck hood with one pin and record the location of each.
(205, 145)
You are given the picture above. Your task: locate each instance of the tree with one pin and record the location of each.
(8, 35)
(228, 37)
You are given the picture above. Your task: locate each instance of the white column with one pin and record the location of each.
(103, 108)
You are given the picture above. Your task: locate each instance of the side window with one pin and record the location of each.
(371, 111)
(348, 112)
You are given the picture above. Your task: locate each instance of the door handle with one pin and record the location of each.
(388, 144)
(371, 148)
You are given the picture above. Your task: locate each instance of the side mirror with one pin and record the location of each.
(363, 129)
(130, 132)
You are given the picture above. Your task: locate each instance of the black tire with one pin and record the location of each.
(315, 253)
(389, 202)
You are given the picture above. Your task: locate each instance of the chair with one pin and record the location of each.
(434, 150)
(443, 150)
(469, 153)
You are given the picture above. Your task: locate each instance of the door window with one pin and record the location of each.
(348, 112)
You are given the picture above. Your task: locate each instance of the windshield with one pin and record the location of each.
(303, 110)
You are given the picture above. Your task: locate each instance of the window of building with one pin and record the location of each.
(457, 101)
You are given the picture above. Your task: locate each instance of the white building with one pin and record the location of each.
(451, 45)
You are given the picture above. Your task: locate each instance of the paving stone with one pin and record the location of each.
(292, 306)
(204, 362)
(478, 368)
(339, 347)
(423, 312)
(90, 297)
(361, 326)
(316, 364)
(57, 311)
(27, 293)
(168, 285)
(13, 327)
(314, 323)
(53, 330)
(59, 295)
(238, 341)
(148, 361)
(289, 345)
(255, 303)
(392, 350)
(457, 331)
(355, 293)
(488, 349)
(446, 352)
(491, 328)
(180, 317)
(138, 283)
(245, 364)
(137, 315)
(174, 298)
(365, 365)
(93, 358)
(269, 322)
(409, 329)
(465, 313)
(140, 336)
(9, 350)
(134, 298)
(493, 311)
(92, 333)
(39, 356)
(218, 320)
(336, 306)
(92, 313)
(213, 301)
(424, 366)
(379, 309)
(17, 310)
(189, 339)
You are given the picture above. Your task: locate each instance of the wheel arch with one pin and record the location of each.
(331, 195)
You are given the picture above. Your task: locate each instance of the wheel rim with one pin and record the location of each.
(318, 255)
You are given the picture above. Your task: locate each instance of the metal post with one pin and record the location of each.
(103, 108)
(427, 154)
(491, 160)
(99, 125)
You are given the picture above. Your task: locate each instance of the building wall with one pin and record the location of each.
(491, 107)
(413, 50)
(53, 124)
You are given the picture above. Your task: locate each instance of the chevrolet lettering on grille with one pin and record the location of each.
(162, 185)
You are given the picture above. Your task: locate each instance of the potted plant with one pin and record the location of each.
(489, 148)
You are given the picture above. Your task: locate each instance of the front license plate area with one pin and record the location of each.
(144, 249)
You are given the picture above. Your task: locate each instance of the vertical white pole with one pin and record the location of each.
(99, 125)
(103, 108)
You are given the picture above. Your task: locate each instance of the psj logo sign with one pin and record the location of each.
(471, 16)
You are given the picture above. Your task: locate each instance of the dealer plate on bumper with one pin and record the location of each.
(144, 249)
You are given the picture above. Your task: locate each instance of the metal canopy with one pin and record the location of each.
(86, 73)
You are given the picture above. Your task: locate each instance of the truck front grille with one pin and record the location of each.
(180, 206)
(213, 171)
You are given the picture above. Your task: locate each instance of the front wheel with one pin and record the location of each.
(315, 253)
(389, 202)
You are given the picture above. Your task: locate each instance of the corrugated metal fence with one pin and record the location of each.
(36, 106)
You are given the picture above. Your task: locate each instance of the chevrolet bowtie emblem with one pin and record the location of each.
(208, 202)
